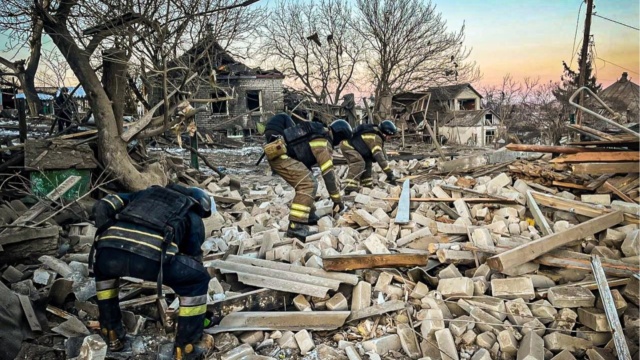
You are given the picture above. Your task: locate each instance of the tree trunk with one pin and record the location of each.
(112, 150)
(114, 80)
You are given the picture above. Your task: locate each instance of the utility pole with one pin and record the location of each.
(583, 56)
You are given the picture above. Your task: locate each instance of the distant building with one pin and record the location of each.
(623, 97)
(235, 96)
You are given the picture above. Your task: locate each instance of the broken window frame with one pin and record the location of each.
(259, 100)
(489, 136)
(222, 107)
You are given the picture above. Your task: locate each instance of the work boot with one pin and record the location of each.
(114, 338)
(313, 219)
(348, 190)
(299, 230)
(199, 350)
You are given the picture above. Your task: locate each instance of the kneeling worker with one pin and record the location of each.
(366, 145)
(153, 234)
(291, 151)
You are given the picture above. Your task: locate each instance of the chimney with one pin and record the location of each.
(624, 77)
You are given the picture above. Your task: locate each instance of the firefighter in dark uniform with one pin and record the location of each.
(153, 234)
(292, 150)
(367, 145)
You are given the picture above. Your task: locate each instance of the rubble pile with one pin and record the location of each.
(501, 265)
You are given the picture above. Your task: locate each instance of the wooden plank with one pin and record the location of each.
(613, 156)
(29, 313)
(540, 219)
(622, 142)
(17, 235)
(368, 261)
(610, 310)
(345, 278)
(569, 185)
(257, 300)
(605, 168)
(230, 267)
(578, 207)
(550, 149)
(532, 250)
(447, 210)
(541, 187)
(387, 307)
(266, 281)
(403, 214)
(282, 321)
(608, 186)
(76, 135)
(450, 200)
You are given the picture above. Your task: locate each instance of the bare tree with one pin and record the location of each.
(24, 30)
(409, 47)
(53, 69)
(549, 115)
(313, 43)
(510, 101)
(149, 34)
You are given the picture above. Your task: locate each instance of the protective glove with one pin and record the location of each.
(392, 180)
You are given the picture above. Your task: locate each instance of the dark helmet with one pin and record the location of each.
(341, 131)
(387, 127)
(203, 199)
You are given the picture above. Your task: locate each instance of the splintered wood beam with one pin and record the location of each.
(282, 321)
(550, 149)
(578, 207)
(613, 156)
(469, 200)
(536, 248)
(599, 168)
(355, 262)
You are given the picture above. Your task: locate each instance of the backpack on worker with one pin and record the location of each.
(298, 138)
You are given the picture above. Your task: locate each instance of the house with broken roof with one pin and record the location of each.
(623, 97)
(235, 97)
(454, 112)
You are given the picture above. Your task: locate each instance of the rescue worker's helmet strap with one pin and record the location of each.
(341, 130)
(387, 127)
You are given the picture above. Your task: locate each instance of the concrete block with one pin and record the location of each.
(518, 312)
(543, 310)
(352, 353)
(361, 296)
(531, 347)
(480, 286)
(494, 306)
(43, 277)
(486, 340)
(508, 342)
(252, 337)
(93, 348)
(626, 207)
(305, 342)
(571, 297)
(362, 199)
(447, 346)
(449, 272)
(557, 342)
(383, 344)
(506, 212)
(522, 269)
(288, 341)
(631, 245)
(456, 287)
(215, 287)
(461, 325)
(597, 338)
(564, 355)
(600, 354)
(482, 237)
(599, 199)
(12, 275)
(301, 303)
(513, 288)
(384, 279)
(338, 303)
(533, 326)
(498, 182)
(238, 353)
(314, 261)
(631, 291)
(434, 321)
(481, 354)
(565, 320)
(375, 245)
(593, 318)
(408, 341)
(419, 291)
(482, 213)
(325, 224)
(485, 321)
(469, 337)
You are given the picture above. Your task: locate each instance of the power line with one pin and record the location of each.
(621, 67)
(575, 34)
(617, 22)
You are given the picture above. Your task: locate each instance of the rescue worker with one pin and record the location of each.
(153, 234)
(367, 145)
(292, 150)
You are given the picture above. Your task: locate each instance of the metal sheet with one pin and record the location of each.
(403, 215)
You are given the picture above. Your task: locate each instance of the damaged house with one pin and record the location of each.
(623, 97)
(236, 97)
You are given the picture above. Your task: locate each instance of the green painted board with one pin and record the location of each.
(43, 182)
